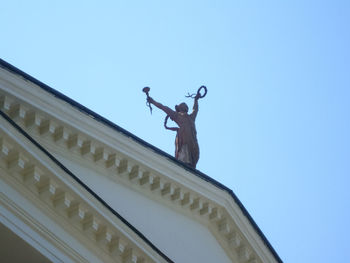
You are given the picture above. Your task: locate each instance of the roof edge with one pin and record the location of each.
(87, 188)
(114, 126)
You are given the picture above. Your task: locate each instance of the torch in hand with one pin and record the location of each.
(146, 90)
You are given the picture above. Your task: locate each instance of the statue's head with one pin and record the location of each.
(181, 107)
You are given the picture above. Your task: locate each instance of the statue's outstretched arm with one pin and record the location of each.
(166, 109)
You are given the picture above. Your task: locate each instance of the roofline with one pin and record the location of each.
(114, 126)
(71, 174)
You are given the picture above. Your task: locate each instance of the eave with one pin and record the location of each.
(35, 173)
(133, 160)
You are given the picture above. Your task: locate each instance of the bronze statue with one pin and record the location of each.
(186, 145)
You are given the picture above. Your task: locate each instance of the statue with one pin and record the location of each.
(186, 145)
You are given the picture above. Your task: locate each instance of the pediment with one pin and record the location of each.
(77, 136)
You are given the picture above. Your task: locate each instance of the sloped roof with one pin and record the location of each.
(114, 126)
(88, 189)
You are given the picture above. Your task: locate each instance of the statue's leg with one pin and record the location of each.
(184, 154)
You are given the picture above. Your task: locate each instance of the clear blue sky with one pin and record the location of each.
(274, 126)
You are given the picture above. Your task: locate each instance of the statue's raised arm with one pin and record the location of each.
(195, 107)
(159, 105)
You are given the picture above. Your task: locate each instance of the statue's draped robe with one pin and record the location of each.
(186, 145)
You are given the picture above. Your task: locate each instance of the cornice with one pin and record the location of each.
(70, 204)
(50, 237)
(141, 168)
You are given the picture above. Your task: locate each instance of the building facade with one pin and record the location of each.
(77, 188)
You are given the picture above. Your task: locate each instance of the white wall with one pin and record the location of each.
(181, 238)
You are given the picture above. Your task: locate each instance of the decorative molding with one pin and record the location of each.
(32, 177)
(139, 168)
(29, 220)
